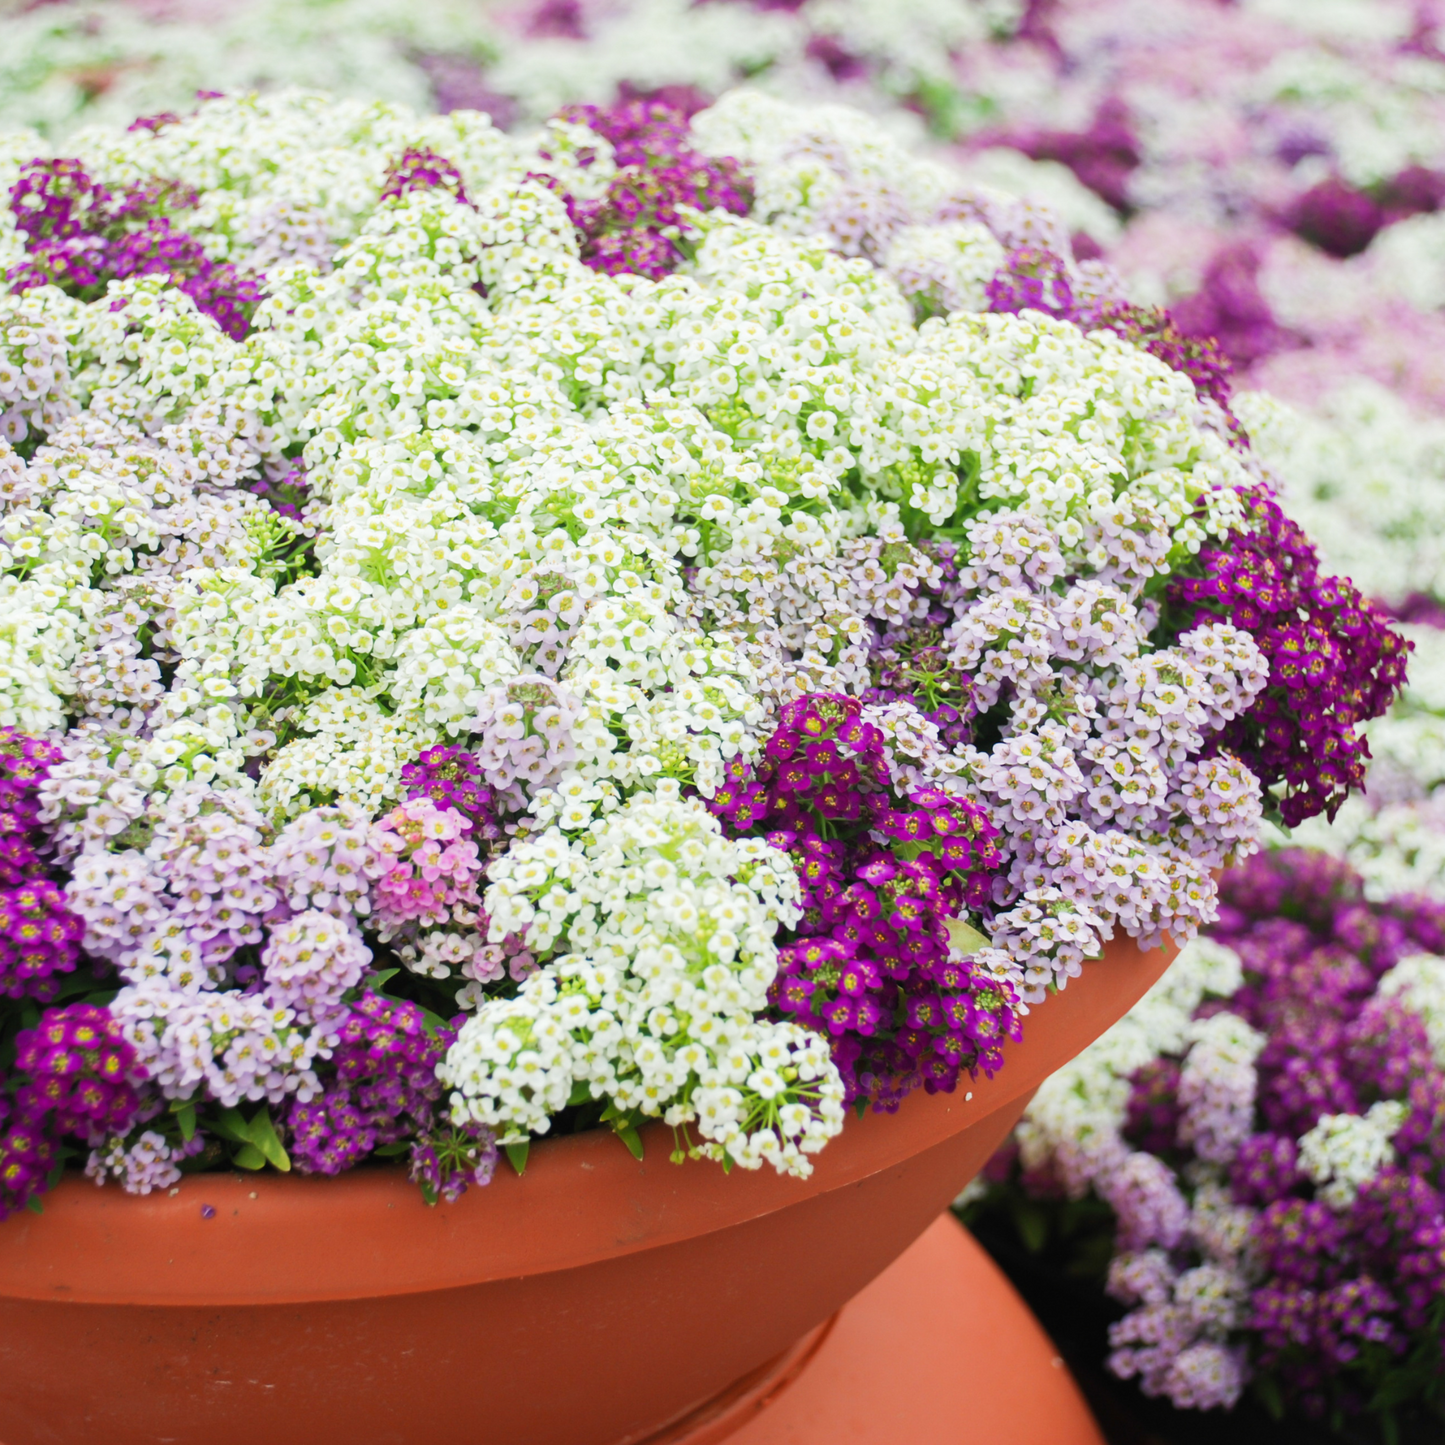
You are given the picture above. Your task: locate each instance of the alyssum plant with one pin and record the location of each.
(699, 622)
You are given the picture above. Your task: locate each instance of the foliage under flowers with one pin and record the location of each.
(1267, 1129)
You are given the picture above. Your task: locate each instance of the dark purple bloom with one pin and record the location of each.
(452, 778)
(80, 236)
(385, 1093)
(637, 225)
(423, 170)
(1103, 157)
(870, 965)
(1334, 663)
(75, 1075)
(1335, 217)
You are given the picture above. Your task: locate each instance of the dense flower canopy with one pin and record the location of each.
(601, 626)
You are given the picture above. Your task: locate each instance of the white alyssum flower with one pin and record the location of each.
(1418, 982)
(657, 940)
(1344, 1151)
(1366, 476)
(651, 512)
(1077, 1113)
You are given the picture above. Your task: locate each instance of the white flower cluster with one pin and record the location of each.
(906, 45)
(938, 230)
(106, 60)
(143, 1163)
(659, 939)
(1075, 1119)
(1375, 112)
(1366, 477)
(1344, 1151)
(1418, 981)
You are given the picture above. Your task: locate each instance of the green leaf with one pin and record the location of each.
(390, 1151)
(248, 1156)
(581, 1093)
(186, 1118)
(268, 1141)
(378, 981)
(1267, 1388)
(432, 1023)
(860, 1107)
(965, 937)
(517, 1155)
(231, 1124)
(1032, 1224)
(727, 1163)
(630, 1137)
(34, 1205)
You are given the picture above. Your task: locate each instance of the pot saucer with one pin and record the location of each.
(938, 1350)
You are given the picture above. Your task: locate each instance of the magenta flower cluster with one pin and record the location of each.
(1342, 219)
(385, 1095)
(74, 1075)
(452, 778)
(424, 864)
(870, 965)
(1103, 156)
(637, 225)
(1350, 1297)
(1231, 308)
(80, 235)
(1334, 663)
(420, 169)
(39, 936)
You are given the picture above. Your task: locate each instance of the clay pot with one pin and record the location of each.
(597, 1300)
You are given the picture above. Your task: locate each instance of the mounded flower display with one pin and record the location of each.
(703, 621)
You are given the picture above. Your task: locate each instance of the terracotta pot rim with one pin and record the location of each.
(583, 1198)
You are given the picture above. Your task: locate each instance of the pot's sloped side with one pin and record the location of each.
(588, 1303)
(539, 1360)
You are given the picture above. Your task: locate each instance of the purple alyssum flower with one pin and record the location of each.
(75, 1075)
(80, 235)
(385, 1095)
(1334, 663)
(635, 227)
(871, 965)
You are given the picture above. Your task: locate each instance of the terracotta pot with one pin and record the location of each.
(594, 1301)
